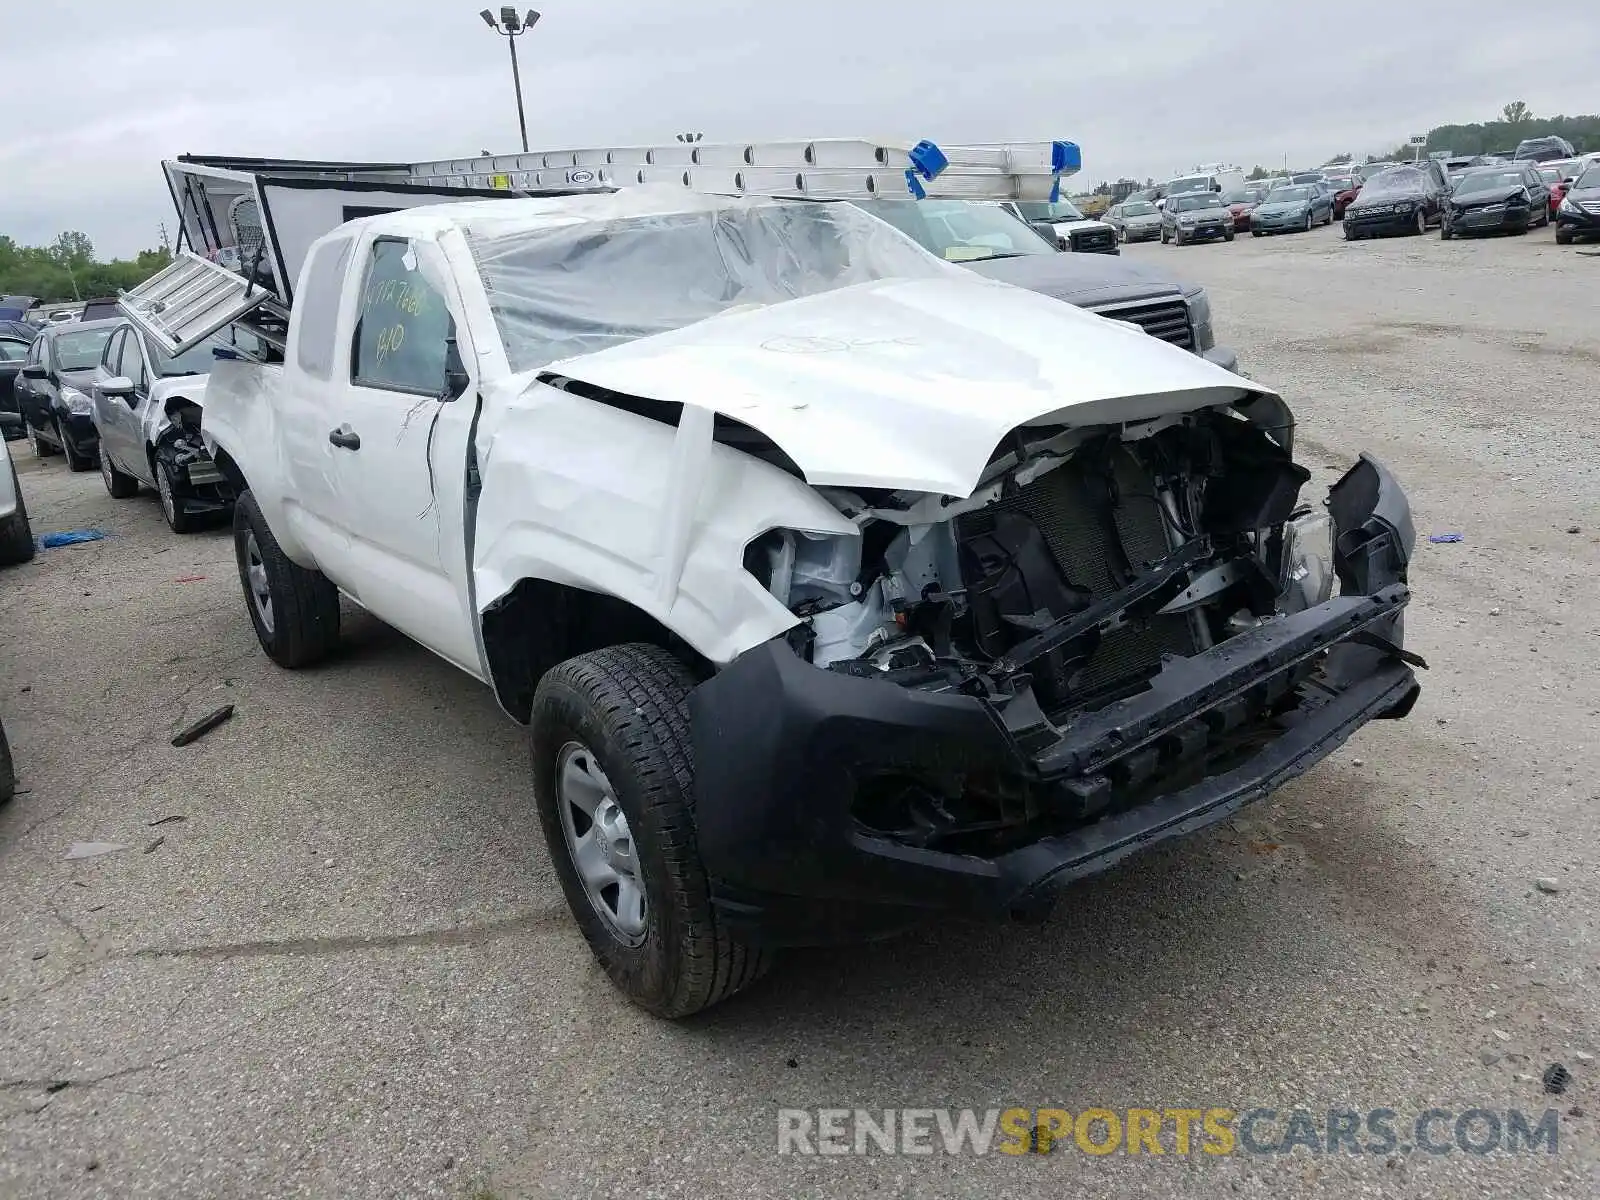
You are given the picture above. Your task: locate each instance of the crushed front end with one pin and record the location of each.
(1126, 634)
(198, 486)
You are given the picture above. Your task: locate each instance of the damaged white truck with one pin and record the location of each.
(841, 588)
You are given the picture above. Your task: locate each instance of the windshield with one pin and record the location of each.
(960, 230)
(1192, 183)
(1589, 179)
(1307, 177)
(1239, 197)
(1061, 210)
(1488, 181)
(1396, 179)
(197, 360)
(1289, 195)
(1197, 200)
(1138, 208)
(80, 350)
(575, 287)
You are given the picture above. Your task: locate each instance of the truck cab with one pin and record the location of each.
(1062, 223)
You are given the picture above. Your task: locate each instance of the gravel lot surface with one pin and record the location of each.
(347, 971)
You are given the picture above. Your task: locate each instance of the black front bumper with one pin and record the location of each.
(1465, 224)
(1579, 222)
(782, 747)
(1362, 225)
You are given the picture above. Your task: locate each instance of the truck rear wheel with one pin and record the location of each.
(295, 611)
(613, 782)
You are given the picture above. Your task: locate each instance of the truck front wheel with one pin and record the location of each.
(614, 785)
(295, 611)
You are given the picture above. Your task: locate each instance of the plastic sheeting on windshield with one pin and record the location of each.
(616, 268)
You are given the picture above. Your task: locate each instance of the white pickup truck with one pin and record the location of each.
(841, 588)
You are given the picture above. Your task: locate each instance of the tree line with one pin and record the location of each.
(67, 269)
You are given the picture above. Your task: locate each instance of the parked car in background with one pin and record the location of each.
(1165, 308)
(101, 308)
(16, 534)
(147, 410)
(1064, 224)
(1296, 207)
(1135, 221)
(15, 308)
(1579, 214)
(1273, 181)
(59, 414)
(1344, 197)
(1511, 198)
(1400, 199)
(1195, 216)
(13, 350)
(1558, 176)
(1240, 205)
(1543, 149)
(1307, 176)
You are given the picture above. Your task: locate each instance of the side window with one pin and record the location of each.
(108, 356)
(317, 299)
(403, 325)
(11, 351)
(133, 364)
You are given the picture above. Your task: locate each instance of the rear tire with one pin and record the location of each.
(610, 733)
(75, 461)
(16, 532)
(120, 484)
(295, 611)
(41, 448)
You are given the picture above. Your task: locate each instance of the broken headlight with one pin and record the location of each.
(1307, 576)
(77, 403)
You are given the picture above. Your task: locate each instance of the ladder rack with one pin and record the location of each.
(824, 169)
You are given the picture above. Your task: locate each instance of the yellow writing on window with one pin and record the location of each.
(408, 297)
(390, 340)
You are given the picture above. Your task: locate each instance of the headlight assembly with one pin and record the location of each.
(77, 403)
(1307, 566)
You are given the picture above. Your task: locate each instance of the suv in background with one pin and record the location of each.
(986, 238)
(1543, 149)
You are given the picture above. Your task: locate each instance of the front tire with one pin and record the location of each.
(1227, 235)
(1422, 223)
(1563, 236)
(614, 785)
(178, 519)
(119, 484)
(295, 611)
(16, 533)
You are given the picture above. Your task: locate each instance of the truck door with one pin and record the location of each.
(399, 452)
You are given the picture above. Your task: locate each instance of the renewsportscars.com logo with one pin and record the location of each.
(1163, 1131)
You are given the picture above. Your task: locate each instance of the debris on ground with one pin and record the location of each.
(1547, 885)
(1573, 529)
(38, 954)
(203, 726)
(154, 846)
(1494, 612)
(172, 819)
(1440, 538)
(69, 537)
(93, 849)
(1556, 1077)
(188, 579)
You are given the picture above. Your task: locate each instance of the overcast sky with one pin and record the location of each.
(98, 92)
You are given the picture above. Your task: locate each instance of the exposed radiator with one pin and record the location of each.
(1096, 542)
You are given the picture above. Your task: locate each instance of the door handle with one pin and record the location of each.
(345, 438)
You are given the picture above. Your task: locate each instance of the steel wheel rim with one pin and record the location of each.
(255, 569)
(169, 503)
(600, 844)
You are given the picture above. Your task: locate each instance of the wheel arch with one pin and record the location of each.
(540, 623)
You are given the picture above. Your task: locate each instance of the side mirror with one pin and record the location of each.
(35, 371)
(456, 379)
(117, 385)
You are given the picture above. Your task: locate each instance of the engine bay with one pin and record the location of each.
(1085, 559)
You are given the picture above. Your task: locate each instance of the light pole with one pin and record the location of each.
(510, 26)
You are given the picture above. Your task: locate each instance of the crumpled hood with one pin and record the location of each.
(911, 383)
